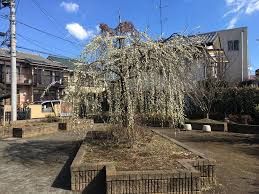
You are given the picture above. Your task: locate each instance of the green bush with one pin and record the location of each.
(236, 101)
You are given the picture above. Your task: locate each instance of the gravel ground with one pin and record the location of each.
(37, 165)
(237, 157)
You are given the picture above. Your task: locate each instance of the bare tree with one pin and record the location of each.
(206, 93)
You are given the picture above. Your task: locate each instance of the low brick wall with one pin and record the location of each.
(5, 132)
(214, 127)
(242, 128)
(103, 178)
(32, 131)
(157, 181)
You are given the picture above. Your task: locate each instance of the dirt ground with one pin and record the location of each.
(151, 152)
(237, 157)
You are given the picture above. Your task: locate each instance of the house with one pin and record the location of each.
(216, 62)
(257, 74)
(234, 44)
(35, 74)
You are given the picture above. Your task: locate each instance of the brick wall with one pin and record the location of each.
(103, 177)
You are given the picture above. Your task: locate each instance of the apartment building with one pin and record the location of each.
(34, 75)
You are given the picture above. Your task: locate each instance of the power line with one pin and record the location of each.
(32, 42)
(50, 18)
(17, 6)
(38, 51)
(44, 11)
(39, 44)
(44, 32)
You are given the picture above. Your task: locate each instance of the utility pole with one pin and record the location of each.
(13, 61)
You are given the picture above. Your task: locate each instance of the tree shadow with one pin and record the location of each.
(45, 155)
(63, 180)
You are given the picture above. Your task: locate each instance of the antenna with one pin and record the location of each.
(161, 7)
(119, 13)
(161, 22)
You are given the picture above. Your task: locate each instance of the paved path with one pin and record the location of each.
(37, 165)
(237, 157)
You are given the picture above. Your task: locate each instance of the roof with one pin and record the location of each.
(31, 58)
(206, 38)
(69, 63)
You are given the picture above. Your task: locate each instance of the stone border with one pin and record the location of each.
(180, 144)
(103, 177)
(242, 128)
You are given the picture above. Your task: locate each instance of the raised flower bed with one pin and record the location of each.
(156, 165)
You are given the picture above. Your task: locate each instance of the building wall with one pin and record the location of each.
(31, 81)
(236, 70)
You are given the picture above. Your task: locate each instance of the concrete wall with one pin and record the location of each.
(236, 71)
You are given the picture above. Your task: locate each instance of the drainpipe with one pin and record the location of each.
(242, 50)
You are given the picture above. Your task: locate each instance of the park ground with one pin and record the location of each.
(41, 164)
(236, 155)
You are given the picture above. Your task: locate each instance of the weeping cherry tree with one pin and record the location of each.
(140, 76)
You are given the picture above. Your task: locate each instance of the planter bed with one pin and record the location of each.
(157, 165)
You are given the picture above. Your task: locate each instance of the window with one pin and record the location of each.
(233, 45)
(236, 45)
(230, 45)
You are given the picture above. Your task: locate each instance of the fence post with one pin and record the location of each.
(4, 117)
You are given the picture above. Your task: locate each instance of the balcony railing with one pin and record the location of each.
(21, 79)
(42, 80)
(46, 80)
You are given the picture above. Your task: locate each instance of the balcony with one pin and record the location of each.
(45, 80)
(22, 79)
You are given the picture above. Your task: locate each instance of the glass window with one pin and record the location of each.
(236, 45)
(230, 45)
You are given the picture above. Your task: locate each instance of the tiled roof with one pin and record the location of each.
(31, 58)
(69, 63)
(206, 38)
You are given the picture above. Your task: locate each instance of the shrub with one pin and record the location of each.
(236, 101)
(51, 119)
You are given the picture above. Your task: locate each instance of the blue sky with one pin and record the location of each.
(76, 20)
